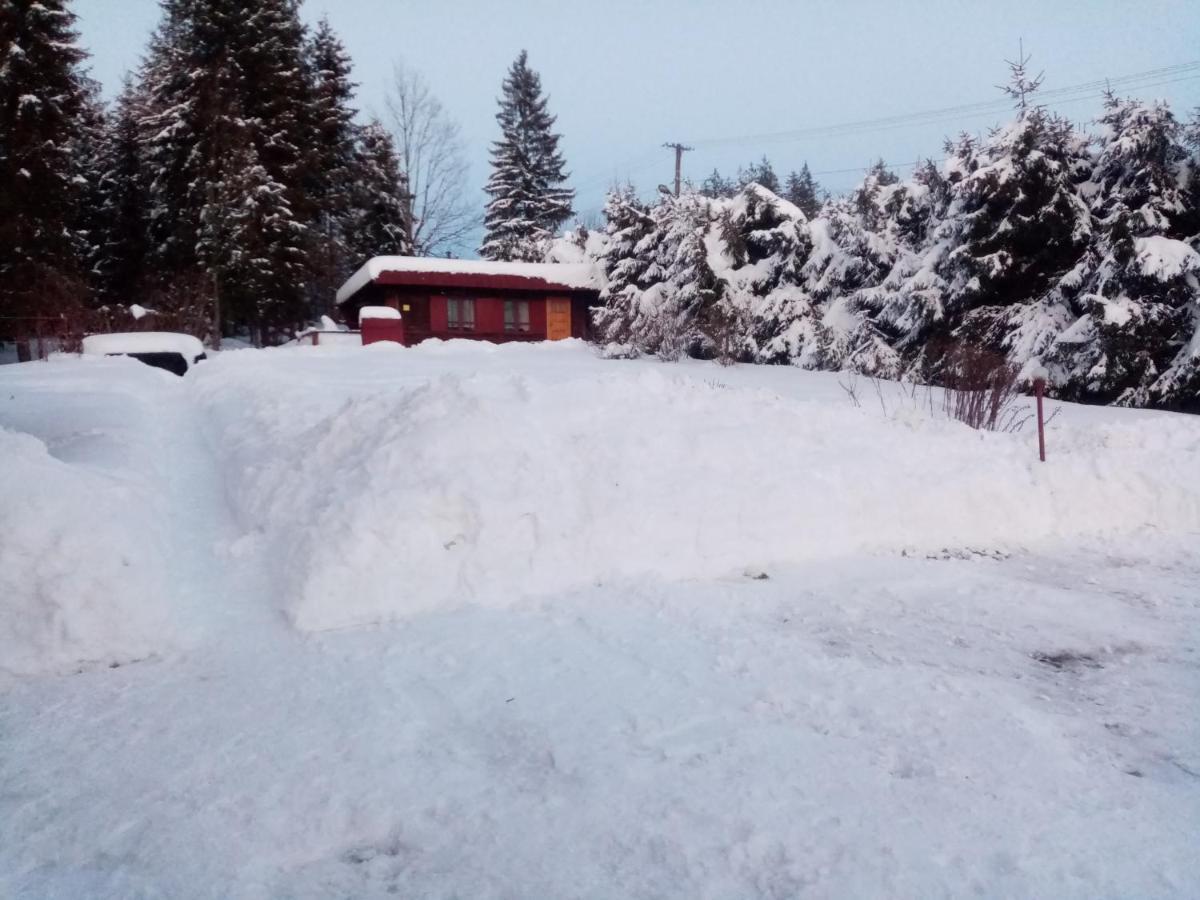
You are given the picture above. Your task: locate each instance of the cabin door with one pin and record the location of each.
(558, 319)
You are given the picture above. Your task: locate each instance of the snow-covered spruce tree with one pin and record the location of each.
(764, 242)
(716, 186)
(1179, 384)
(378, 224)
(664, 301)
(903, 297)
(761, 173)
(89, 151)
(848, 255)
(1019, 227)
(529, 200)
(42, 97)
(330, 166)
(1138, 303)
(175, 100)
(222, 72)
(627, 260)
(248, 241)
(121, 246)
(802, 190)
(1187, 223)
(682, 305)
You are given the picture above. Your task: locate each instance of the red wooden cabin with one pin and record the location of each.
(465, 298)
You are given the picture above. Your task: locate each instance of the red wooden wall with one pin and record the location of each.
(426, 316)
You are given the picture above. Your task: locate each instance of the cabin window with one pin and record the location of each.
(460, 314)
(516, 315)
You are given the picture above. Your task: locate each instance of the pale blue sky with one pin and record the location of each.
(625, 76)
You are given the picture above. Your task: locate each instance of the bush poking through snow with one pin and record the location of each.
(981, 390)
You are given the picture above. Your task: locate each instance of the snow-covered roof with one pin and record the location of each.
(428, 270)
(378, 312)
(143, 342)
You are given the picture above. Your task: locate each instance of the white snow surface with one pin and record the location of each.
(83, 564)
(571, 275)
(423, 480)
(651, 631)
(1164, 258)
(186, 345)
(378, 312)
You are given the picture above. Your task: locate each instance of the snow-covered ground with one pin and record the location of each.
(465, 621)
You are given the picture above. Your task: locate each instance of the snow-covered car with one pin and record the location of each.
(164, 349)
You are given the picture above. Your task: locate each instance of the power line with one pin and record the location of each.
(638, 163)
(854, 169)
(989, 113)
(1155, 77)
(1077, 93)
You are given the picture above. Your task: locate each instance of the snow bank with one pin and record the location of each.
(83, 575)
(392, 483)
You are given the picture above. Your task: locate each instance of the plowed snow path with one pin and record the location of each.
(885, 731)
(870, 726)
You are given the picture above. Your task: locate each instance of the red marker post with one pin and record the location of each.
(1039, 391)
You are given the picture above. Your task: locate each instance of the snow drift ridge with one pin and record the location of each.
(410, 493)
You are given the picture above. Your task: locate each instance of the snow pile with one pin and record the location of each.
(187, 346)
(409, 480)
(83, 576)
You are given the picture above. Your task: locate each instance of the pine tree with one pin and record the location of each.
(767, 241)
(630, 233)
(89, 151)
(716, 186)
(803, 191)
(1187, 223)
(762, 174)
(121, 247)
(378, 225)
(684, 300)
(903, 296)
(529, 200)
(332, 160)
(221, 74)
(248, 244)
(1019, 228)
(664, 296)
(181, 91)
(1138, 301)
(42, 98)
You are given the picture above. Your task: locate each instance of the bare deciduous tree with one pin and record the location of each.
(431, 152)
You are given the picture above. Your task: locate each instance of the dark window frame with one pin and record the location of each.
(460, 313)
(516, 316)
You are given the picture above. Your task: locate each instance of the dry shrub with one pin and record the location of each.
(669, 339)
(48, 315)
(980, 389)
(184, 305)
(726, 335)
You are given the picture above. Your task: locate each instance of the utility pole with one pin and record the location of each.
(679, 149)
